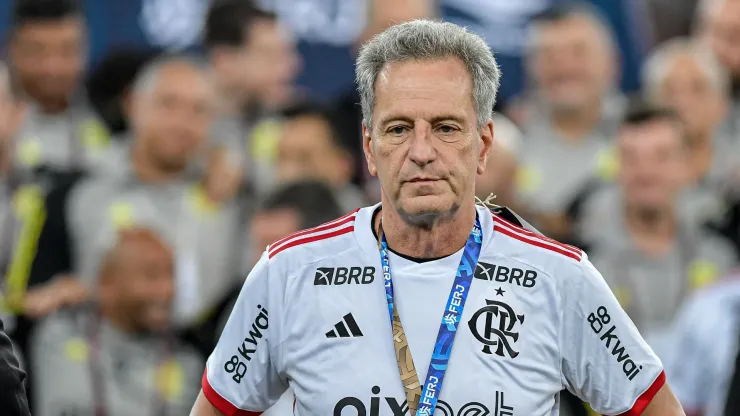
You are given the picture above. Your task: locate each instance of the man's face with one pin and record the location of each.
(267, 64)
(571, 64)
(690, 92)
(173, 117)
(424, 145)
(49, 57)
(652, 164)
(306, 150)
(722, 30)
(144, 284)
(270, 226)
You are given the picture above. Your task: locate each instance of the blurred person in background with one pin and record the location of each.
(118, 356)
(148, 184)
(567, 131)
(48, 53)
(381, 15)
(310, 148)
(253, 62)
(109, 85)
(704, 364)
(650, 253)
(499, 179)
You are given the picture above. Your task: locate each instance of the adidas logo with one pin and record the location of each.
(341, 328)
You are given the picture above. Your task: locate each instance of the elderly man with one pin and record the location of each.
(342, 312)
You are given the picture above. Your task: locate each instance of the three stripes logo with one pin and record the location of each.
(346, 328)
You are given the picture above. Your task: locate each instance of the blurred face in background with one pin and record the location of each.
(269, 226)
(264, 67)
(689, 90)
(652, 164)
(307, 150)
(172, 115)
(571, 63)
(138, 282)
(48, 57)
(722, 31)
(385, 13)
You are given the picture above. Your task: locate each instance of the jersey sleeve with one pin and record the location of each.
(242, 376)
(605, 361)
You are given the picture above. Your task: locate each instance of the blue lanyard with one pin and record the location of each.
(450, 318)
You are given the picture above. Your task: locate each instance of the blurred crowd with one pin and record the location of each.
(136, 194)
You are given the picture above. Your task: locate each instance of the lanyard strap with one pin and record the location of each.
(423, 400)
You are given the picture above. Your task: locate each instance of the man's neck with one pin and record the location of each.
(442, 237)
(145, 169)
(653, 230)
(575, 125)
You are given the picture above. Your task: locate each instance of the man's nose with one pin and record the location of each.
(421, 146)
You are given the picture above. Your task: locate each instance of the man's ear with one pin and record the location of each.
(368, 149)
(486, 140)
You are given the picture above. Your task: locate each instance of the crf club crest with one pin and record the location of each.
(496, 325)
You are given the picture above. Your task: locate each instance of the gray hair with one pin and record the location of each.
(662, 60)
(149, 74)
(426, 40)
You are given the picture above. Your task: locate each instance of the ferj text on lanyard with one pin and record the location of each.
(422, 400)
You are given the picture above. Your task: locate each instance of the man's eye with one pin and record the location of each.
(446, 129)
(397, 130)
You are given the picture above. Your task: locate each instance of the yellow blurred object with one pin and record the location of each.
(170, 379)
(702, 273)
(263, 141)
(624, 297)
(29, 152)
(607, 164)
(76, 350)
(121, 214)
(95, 136)
(201, 203)
(528, 179)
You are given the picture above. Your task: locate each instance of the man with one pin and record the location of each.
(146, 183)
(704, 364)
(572, 61)
(253, 62)
(316, 315)
(650, 249)
(681, 74)
(291, 207)
(118, 356)
(48, 52)
(310, 147)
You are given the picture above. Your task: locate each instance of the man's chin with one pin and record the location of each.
(425, 207)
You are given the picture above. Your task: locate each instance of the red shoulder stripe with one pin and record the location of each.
(534, 242)
(644, 400)
(339, 221)
(515, 228)
(224, 406)
(312, 238)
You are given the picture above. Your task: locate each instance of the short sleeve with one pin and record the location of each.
(241, 376)
(605, 361)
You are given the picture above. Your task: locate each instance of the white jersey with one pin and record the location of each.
(539, 318)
